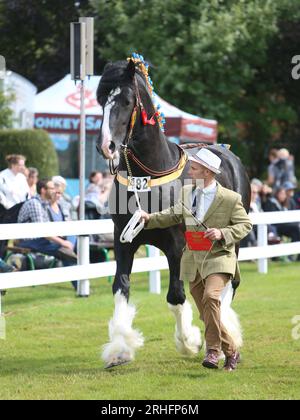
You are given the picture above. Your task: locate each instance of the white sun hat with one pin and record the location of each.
(208, 159)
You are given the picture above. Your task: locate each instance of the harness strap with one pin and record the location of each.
(162, 180)
(150, 171)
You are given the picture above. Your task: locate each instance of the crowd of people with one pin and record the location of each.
(32, 200)
(46, 200)
(278, 193)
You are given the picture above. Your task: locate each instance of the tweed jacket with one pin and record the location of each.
(226, 213)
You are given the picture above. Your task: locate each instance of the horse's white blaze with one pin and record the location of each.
(124, 340)
(187, 336)
(106, 134)
(229, 317)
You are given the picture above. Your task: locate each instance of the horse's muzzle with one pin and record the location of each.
(107, 150)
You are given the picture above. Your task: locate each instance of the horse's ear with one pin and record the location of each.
(130, 69)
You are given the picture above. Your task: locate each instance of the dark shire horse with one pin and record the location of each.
(132, 139)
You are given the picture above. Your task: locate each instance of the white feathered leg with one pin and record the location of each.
(187, 336)
(124, 340)
(229, 318)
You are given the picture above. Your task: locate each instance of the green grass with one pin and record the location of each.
(54, 341)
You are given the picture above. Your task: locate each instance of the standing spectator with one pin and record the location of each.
(284, 169)
(273, 158)
(13, 184)
(32, 180)
(13, 188)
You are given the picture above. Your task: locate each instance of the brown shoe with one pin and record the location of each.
(211, 360)
(232, 361)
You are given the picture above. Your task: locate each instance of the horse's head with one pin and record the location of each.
(116, 94)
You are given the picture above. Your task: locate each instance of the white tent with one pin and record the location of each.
(57, 111)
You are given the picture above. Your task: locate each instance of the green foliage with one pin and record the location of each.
(35, 37)
(227, 60)
(36, 145)
(6, 114)
(211, 58)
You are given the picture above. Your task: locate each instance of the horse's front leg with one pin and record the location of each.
(187, 337)
(123, 339)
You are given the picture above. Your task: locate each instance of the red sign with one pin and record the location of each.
(89, 100)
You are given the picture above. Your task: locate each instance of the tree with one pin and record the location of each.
(35, 37)
(209, 58)
(6, 113)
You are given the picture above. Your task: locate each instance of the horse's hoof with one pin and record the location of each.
(113, 364)
(117, 361)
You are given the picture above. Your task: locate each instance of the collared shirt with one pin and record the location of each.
(34, 211)
(13, 188)
(204, 198)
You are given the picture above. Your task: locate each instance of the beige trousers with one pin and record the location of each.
(207, 293)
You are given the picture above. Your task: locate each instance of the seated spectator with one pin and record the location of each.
(256, 188)
(277, 203)
(250, 239)
(290, 203)
(13, 184)
(35, 210)
(32, 180)
(56, 213)
(265, 194)
(65, 201)
(96, 177)
(5, 268)
(96, 197)
(297, 199)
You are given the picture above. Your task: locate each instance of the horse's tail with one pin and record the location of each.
(229, 317)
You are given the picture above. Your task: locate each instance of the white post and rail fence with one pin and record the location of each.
(152, 264)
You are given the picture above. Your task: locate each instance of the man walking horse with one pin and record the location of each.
(210, 266)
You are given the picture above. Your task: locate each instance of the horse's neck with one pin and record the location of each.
(153, 150)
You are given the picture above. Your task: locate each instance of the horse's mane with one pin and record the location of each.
(114, 75)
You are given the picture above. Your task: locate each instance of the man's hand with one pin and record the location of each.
(145, 216)
(213, 234)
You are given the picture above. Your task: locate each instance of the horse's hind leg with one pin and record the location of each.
(123, 339)
(187, 336)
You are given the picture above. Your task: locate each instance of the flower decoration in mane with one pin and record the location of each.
(143, 66)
